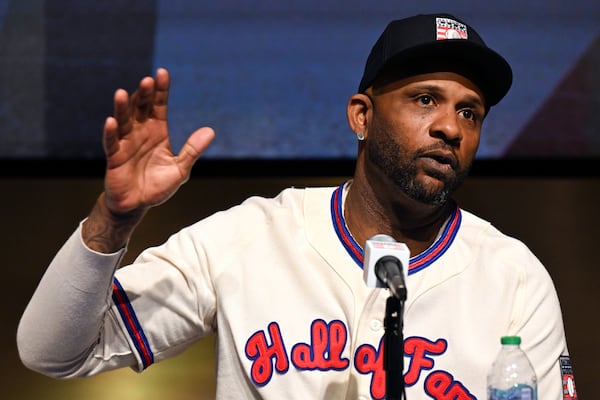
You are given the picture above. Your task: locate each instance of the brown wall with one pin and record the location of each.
(557, 218)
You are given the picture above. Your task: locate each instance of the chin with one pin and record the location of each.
(433, 192)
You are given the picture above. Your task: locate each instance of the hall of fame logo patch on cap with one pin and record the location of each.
(448, 28)
(568, 379)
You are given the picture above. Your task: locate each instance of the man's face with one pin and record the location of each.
(424, 133)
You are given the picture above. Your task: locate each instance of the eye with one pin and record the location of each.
(470, 115)
(425, 99)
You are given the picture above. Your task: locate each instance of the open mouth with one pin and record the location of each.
(441, 160)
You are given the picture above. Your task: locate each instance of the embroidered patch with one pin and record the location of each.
(450, 29)
(568, 379)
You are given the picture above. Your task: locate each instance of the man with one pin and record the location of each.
(280, 280)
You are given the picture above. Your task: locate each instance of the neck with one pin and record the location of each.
(368, 213)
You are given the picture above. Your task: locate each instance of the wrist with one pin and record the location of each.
(106, 231)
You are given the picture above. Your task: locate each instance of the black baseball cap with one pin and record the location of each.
(433, 43)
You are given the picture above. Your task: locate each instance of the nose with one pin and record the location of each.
(446, 126)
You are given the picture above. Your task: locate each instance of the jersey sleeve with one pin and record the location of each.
(165, 301)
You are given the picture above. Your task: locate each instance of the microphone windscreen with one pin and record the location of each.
(379, 246)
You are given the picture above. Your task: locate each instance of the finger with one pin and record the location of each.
(161, 94)
(196, 144)
(110, 137)
(121, 112)
(142, 99)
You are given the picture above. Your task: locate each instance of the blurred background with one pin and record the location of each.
(273, 79)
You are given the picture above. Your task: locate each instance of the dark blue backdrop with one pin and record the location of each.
(273, 77)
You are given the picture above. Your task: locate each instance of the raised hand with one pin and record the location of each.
(141, 169)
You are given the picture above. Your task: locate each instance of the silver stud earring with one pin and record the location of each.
(360, 136)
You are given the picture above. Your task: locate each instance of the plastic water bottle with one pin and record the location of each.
(512, 376)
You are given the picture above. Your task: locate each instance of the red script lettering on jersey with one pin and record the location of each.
(324, 352)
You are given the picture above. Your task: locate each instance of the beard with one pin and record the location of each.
(399, 165)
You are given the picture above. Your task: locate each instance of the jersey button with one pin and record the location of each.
(375, 325)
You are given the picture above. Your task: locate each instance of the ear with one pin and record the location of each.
(358, 113)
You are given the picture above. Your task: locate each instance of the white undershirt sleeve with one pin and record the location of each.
(63, 320)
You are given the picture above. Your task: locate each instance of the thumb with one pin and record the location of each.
(195, 145)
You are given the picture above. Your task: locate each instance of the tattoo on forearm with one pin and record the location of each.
(106, 232)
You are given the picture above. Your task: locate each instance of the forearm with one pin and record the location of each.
(107, 232)
(62, 321)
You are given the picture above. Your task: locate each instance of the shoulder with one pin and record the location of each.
(479, 230)
(489, 243)
(292, 200)
(257, 213)
(507, 264)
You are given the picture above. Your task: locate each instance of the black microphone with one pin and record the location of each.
(385, 264)
(389, 271)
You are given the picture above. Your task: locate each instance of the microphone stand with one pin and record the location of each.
(393, 347)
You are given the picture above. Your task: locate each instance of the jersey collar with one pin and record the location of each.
(418, 262)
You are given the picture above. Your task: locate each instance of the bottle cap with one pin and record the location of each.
(510, 340)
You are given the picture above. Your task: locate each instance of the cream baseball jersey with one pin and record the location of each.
(279, 281)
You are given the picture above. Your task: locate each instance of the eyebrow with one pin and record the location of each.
(468, 99)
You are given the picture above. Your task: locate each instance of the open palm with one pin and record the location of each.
(141, 169)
